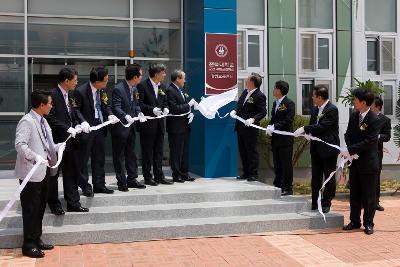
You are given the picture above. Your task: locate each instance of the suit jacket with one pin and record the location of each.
(385, 132)
(254, 107)
(326, 128)
(85, 105)
(59, 118)
(177, 104)
(147, 102)
(29, 141)
(363, 141)
(282, 120)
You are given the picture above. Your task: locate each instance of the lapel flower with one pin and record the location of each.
(320, 116)
(161, 92)
(104, 98)
(363, 126)
(73, 102)
(250, 100)
(186, 95)
(137, 95)
(282, 107)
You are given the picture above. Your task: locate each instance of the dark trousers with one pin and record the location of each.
(283, 168)
(321, 169)
(248, 154)
(378, 180)
(152, 154)
(123, 150)
(179, 154)
(33, 203)
(92, 145)
(69, 170)
(362, 195)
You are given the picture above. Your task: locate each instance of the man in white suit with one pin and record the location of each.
(34, 143)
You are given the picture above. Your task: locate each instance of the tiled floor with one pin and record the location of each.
(296, 248)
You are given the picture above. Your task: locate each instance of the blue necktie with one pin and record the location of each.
(98, 106)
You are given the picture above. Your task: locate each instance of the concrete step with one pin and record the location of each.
(166, 229)
(115, 214)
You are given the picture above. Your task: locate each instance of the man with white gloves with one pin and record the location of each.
(125, 105)
(153, 102)
(251, 107)
(93, 108)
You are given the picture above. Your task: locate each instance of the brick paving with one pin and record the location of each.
(317, 248)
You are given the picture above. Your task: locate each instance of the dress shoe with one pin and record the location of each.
(88, 192)
(379, 207)
(123, 188)
(188, 178)
(77, 209)
(44, 246)
(251, 179)
(369, 229)
(32, 252)
(351, 226)
(164, 181)
(241, 177)
(150, 182)
(136, 184)
(326, 209)
(103, 190)
(287, 193)
(178, 180)
(58, 211)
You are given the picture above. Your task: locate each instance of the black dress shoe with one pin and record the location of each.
(87, 192)
(164, 181)
(379, 207)
(287, 193)
(136, 184)
(251, 179)
(44, 246)
(58, 211)
(77, 209)
(241, 177)
(188, 178)
(32, 252)
(123, 188)
(150, 182)
(369, 230)
(351, 226)
(326, 209)
(178, 180)
(103, 190)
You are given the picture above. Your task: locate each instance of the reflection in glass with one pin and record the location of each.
(380, 16)
(254, 50)
(316, 14)
(307, 98)
(12, 84)
(11, 38)
(307, 52)
(372, 55)
(388, 100)
(323, 53)
(7, 137)
(250, 12)
(388, 56)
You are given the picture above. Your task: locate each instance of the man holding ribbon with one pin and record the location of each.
(252, 108)
(93, 108)
(125, 105)
(34, 145)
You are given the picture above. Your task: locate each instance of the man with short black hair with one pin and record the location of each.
(362, 139)
(283, 111)
(125, 105)
(324, 124)
(384, 136)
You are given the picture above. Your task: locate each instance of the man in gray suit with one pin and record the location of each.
(34, 143)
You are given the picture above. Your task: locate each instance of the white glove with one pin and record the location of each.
(299, 131)
(142, 118)
(270, 129)
(249, 122)
(72, 131)
(85, 127)
(165, 111)
(157, 111)
(196, 106)
(129, 119)
(345, 153)
(233, 114)
(190, 117)
(78, 129)
(39, 158)
(113, 119)
(192, 102)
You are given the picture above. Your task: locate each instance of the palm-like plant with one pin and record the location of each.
(348, 97)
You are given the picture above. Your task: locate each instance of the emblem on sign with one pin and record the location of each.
(221, 50)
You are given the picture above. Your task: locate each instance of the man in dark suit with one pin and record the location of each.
(178, 128)
(62, 119)
(324, 124)
(153, 102)
(93, 108)
(283, 111)
(384, 136)
(362, 139)
(125, 105)
(251, 107)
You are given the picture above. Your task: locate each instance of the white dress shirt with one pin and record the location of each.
(155, 87)
(94, 92)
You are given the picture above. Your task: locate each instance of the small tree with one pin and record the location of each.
(348, 97)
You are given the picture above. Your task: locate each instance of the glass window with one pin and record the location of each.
(388, 99)
(241, 50)
(11, 35)
(13, 6)
(380, 15)
(307, 103)
(12, 83)
(372, 55)
(250, 12)
(156, 9)
(241, 83)
(388, 56)
(253, 45)
(7, 148)
(307, 52)
(103, 8)
(316, 14)
(323, 53)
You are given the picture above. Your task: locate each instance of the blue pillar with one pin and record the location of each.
(213, 144)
